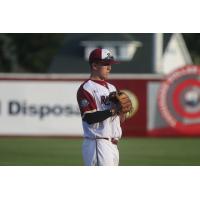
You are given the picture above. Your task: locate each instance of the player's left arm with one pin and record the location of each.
(97, 116)
(88, 108)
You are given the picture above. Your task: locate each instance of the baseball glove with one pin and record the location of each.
(122, 102)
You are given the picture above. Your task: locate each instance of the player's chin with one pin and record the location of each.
(106, 76)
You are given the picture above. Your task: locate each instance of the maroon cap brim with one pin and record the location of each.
(110, 62)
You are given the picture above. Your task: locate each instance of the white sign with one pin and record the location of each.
(39, 108)
(176, 54)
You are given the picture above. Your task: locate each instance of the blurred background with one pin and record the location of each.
(40, 122)
(66, 53)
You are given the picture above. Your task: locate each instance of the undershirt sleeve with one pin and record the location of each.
(97, 116)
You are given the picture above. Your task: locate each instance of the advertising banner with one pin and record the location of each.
(39, 108)
(35, 107)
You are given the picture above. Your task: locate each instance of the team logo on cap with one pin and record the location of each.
(179, 99)
(109, 56)
(106, 55)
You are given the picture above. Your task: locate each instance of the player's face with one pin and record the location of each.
(103, 71)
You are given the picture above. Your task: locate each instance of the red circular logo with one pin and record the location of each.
(179, 99)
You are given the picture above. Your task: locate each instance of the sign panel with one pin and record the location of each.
(174, 104)
(179, 99)
(39, 108)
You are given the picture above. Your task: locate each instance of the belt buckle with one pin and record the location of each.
(114, 141)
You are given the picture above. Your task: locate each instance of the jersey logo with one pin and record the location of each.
(84, 103)
(105, 100)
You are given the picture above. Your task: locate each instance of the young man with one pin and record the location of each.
(100, 117)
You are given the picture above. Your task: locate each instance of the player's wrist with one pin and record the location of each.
(113, 111)
(115, 108)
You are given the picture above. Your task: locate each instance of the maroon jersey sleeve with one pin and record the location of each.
(85, 101)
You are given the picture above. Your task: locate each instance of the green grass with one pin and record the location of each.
(67, 152)
(160, 151)
(40, 151)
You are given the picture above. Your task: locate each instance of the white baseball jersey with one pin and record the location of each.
(92, 96)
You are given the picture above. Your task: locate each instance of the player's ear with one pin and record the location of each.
(94, 66)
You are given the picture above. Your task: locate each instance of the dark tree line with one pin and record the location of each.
(28, 52)
(193, 44)
(32, 53)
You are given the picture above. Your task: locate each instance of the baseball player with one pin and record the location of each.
(101, 112)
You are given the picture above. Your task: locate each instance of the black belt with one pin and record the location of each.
(113, 140)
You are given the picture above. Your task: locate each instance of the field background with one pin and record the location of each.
(26, 151)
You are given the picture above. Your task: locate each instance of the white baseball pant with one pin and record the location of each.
(100, 152)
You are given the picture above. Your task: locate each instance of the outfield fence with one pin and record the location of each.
(45, 105)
